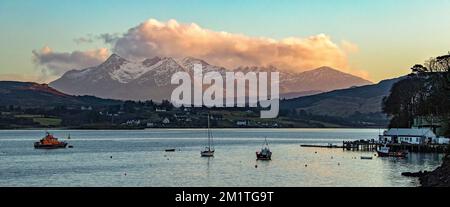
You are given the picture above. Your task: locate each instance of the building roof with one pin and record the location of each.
(412, 132)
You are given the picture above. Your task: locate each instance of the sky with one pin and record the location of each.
(40, 39)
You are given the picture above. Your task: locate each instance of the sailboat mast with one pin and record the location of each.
(209, 135)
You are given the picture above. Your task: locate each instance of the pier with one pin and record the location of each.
(371, 145)
(320, 146)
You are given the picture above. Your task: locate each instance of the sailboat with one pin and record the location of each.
(209, 150)
(265, 153)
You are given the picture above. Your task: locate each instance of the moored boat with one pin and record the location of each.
(385, 151)
(366, 157)
(49, 142)
(265, 153)
(209, 150)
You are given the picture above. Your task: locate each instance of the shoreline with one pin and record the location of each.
(171, 128)
(440, 177)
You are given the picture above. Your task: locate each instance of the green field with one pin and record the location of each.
(48, 121)
(28, 116)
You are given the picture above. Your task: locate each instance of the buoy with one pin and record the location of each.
(125, 174)
(110, 157)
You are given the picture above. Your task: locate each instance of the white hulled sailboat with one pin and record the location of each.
(209, 150)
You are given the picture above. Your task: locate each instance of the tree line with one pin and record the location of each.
(425, 92)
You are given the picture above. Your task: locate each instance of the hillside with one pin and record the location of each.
(33, 95)
(363, 103)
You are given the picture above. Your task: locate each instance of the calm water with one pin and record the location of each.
(139, 159)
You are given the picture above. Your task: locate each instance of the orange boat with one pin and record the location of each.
(49, 142)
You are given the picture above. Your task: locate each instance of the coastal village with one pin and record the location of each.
(133, 115)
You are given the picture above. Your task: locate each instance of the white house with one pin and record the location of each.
(133, 122)
(86, 108)
(166, 121)
(442, 140)
(412, 136)
(241, 123)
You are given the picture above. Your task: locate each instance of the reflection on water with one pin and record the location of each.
(138, 158)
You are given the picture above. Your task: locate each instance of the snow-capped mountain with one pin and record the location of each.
(319, 80)
(118, 78)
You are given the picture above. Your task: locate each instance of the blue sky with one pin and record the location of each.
(391, 35)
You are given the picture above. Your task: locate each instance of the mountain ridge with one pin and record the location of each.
(30, 94)
(118, 78)
(344, 102)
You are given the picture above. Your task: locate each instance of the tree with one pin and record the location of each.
(128, 106)
(403, 101)
(425, 92)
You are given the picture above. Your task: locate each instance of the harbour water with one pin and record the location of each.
(138, 158)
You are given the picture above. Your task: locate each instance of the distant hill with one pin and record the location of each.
(363, 101)
(319, 80)
(353, 107)
(28, 94)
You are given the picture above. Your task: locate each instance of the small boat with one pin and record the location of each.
(209, 150)
(265, 153)
(385, 151)
(49, 142)
(170, 150)
(366, 157)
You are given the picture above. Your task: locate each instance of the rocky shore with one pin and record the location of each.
(440, 177)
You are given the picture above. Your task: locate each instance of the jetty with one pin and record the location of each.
(372, 145)
(320, 146)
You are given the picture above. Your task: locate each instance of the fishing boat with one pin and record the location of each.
(209, 149)
(49, 142)
(385, 151)
(265, 153)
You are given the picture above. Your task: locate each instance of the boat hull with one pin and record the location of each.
(260, 156)
(392, 154)
(207, 153)
(38, 145)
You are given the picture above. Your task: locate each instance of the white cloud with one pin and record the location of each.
(155, 38)
(172, 39)
(57, 63)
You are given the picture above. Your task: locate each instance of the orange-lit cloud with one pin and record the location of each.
(57, 63)
(172, 39)
(155, 38)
